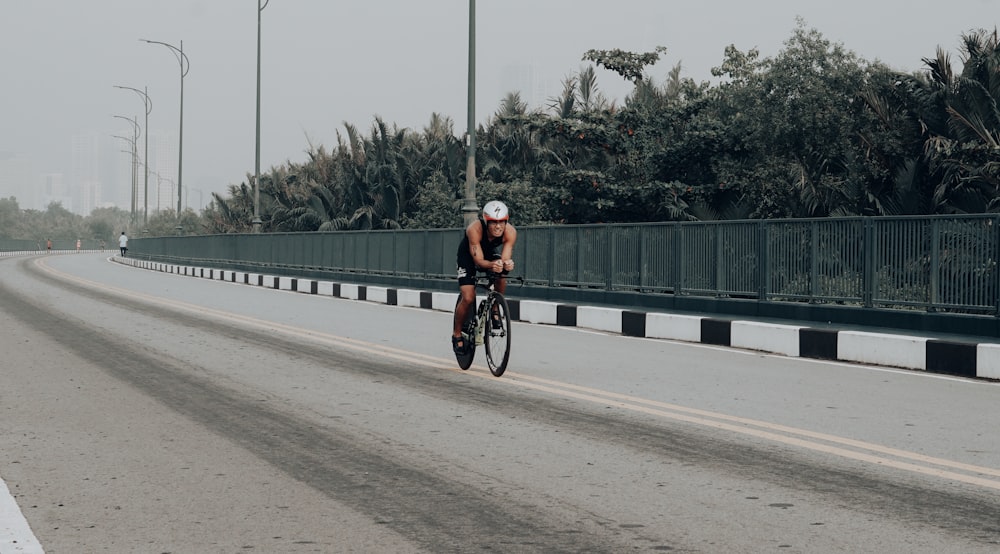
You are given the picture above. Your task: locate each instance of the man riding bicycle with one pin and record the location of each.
(488, 246)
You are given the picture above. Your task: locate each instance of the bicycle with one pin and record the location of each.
(488, 326)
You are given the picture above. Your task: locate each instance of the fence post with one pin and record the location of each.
(643, 274)
(868, 247)
(721, 283)
(996, 267)
(763, 273)
(552, 256)
(610, 265)
(678, 258)
(934, 282)
(813, 260)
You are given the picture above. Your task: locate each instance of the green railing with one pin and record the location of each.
(935, 264)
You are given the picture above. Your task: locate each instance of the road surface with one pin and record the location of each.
(149, 412)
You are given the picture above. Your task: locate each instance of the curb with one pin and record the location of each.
(949, 357)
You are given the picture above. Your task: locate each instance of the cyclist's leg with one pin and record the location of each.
(501, 283)
(466, 274)
(467, 297)
(463, 309)
(501, 287)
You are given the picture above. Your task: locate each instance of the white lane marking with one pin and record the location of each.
(15, 533)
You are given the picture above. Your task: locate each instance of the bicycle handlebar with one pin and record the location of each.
(488, 278)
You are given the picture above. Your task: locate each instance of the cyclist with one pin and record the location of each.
(488, 245)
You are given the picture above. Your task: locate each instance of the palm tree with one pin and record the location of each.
(967, 158)
(948, 129)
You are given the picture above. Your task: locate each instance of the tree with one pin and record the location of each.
(630, 65)
(10, 219)
(944, 152)
(107, 223)
(793, 122)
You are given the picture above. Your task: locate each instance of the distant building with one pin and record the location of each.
(86, 182)
(526, 80)
(55, 189)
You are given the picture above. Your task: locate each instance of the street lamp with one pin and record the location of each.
(131, 154)
(149, 108)
(469, 208)
(185, 66)
(256, 168)
(135, 160)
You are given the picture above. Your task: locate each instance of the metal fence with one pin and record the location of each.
(938, 263)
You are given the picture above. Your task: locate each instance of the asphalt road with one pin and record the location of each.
(148, 412)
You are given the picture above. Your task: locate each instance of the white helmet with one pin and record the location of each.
(495, 211)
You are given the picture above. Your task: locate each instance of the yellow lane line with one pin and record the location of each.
(771, 426)
(643, 406)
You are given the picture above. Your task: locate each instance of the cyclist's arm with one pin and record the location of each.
(507, 254)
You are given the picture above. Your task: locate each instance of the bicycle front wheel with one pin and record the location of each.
(497, 334)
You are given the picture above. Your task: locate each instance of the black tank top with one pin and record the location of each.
(492, 248)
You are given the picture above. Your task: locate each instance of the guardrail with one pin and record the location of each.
(938, 264)
(928, 273)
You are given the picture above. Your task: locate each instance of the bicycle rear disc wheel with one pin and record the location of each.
(497, 334)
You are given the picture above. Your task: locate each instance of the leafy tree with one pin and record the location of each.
(436, 206)
(11, 219)
(794, 121)
(107, 223)
(813, 131)
(629, 65)
(944, 129)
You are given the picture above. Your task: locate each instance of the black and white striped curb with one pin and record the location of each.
(967, 359)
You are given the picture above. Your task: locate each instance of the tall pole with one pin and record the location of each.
(180, 139)
(470, 209)
(185, 66)
(135, 159)
(256, 172)
(149, 108)
(131, 154)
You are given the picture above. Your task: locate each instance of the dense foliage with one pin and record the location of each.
(815, 131)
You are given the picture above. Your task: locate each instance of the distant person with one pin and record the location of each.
(77, 246)
(102, 245)
(48, 246)
(123, 243)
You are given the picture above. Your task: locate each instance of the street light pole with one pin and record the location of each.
(132, 155)
(256, 179)
(470, 209)
(185, 66)
(135, 160)
(149, 108)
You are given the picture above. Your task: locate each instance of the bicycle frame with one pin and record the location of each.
(491, 312)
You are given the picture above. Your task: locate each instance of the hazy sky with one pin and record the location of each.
(327, 62)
